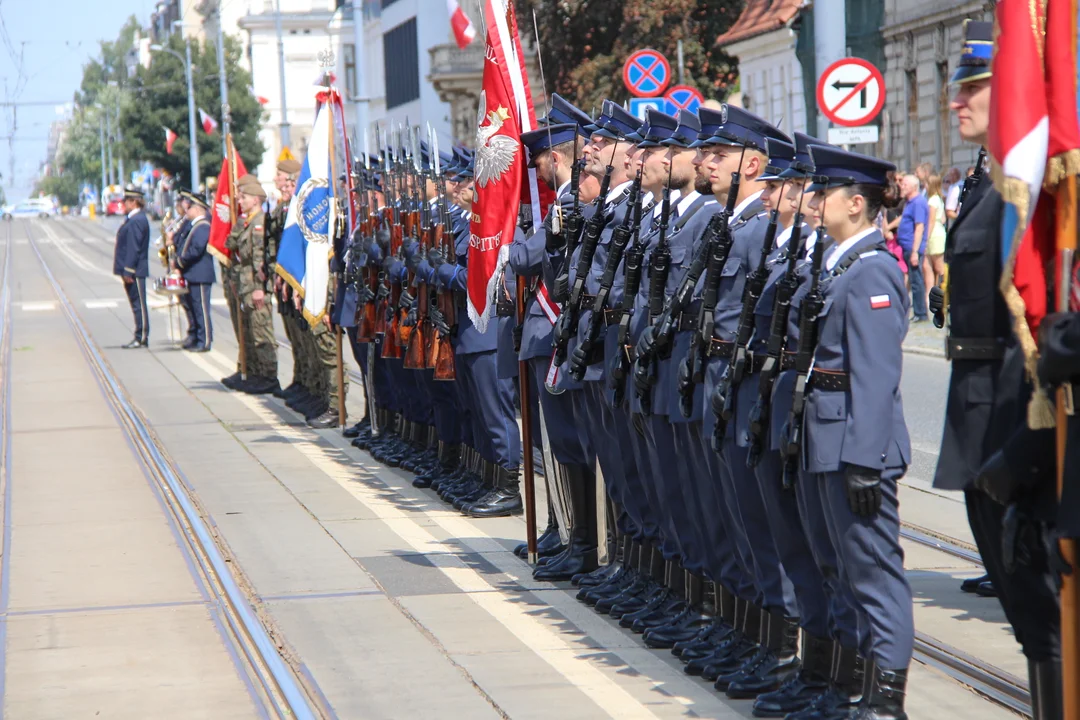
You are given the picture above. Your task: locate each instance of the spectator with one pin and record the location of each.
(923, 172)
(911, 233)
(952, 195)
(935, 247)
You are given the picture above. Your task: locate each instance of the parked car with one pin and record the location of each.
(35, 207)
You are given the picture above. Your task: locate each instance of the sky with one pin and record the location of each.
(56, 38)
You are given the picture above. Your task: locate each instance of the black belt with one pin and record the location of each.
(505, 308)
(587, 301)
(824, 380)
(974, 348)
(612, 316)
(688, 322)
(788, 361)
(721, 349)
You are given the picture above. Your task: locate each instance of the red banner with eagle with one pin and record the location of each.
(224, 208)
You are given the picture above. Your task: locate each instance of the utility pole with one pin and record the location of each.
(120, 140)
(223, 81)
(108, 136)
(104, 182)
(359, 66)
(285, 139)
(193, 140)
(830, 45)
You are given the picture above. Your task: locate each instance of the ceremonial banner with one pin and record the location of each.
(224, 203)
(306, 247)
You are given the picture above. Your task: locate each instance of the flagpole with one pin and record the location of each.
(332, 236)
(230, 155)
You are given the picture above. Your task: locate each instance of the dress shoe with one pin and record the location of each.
(353, 431)
(597, 576)
(201, 348)
(135, 343)
(683, 627)
(328, 419)
(986, 589)
(579, 557)
(800, 688)
(232, 382)
(637, 601)
(503, 502)
(189, 343)
(972, 584)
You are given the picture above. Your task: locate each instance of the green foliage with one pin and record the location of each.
(586, 42)
(64, 187)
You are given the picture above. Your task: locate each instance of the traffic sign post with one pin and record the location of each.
(638, 106)
(682, 97)
(646, 73)
(851, 92)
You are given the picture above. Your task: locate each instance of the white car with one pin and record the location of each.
(42, 208)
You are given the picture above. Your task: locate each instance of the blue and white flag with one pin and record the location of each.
(303, 258)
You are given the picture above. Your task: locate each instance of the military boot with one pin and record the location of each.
(746, 643)
(777, 660)
(886, 697)
(799, 690)
(549, 536)
(850, 682)
(665, 604)
(233, 381)
(1044, 679)
(580, 554)
(503, 501)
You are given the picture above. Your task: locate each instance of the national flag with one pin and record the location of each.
(879, 302)
(221, 219)
(262, 99)
(209, 124)
(170, 138)
(306, 246)
(464, 32)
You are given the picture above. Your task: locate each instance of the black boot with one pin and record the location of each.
(778, 662)
(580, 556)
(448, 457)
(622, 579)
(745, 656)
(886, 697)
(601, 574)
(681, 590)
(799, 690)
(504, 501)
(1044, 679)
(233, 381)
(705, 643)
(842, 699)
(972, 584)
(545, 539)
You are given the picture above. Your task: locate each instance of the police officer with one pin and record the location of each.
(246, 243)
(130, 262)
(175, 239)
(197, 267)
(987, 450)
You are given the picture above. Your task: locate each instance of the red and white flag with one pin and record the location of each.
(464, 32)
(209, 124)
(221, 221)
(170, 138)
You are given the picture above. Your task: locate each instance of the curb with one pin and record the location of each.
(928, 352)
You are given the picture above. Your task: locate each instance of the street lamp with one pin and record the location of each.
(194, 149)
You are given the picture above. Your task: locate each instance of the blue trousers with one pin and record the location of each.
(499, 439)
(872, 565)
(199, 300)
(569, 444)
(136, 294)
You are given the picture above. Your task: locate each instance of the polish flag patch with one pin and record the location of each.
(877, 302)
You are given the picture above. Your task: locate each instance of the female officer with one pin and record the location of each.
(856, 445)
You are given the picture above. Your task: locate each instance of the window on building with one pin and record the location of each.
(944, 118)
(401, 64)
(388, 3)
(350, 70)
(912, 79)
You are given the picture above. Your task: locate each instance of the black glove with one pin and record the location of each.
(646, 344)
(1055, 560)
(554, 241)
(937, 306)
(579, 363)
(517, 333)
(997, 480)
(1059, 347)
(863, 490)
(1017, 538)
(435, 259)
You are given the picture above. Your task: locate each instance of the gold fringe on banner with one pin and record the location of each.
(1060, 167)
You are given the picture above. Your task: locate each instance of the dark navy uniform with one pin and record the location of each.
(197, 266)
(130, 262)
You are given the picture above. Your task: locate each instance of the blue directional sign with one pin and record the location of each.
(638, 106)
(646, 73)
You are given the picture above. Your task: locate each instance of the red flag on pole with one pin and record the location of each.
(209, 124)
(170, 138)
(464, 32)
(221, 220)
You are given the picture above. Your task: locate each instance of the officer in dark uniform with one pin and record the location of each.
(197, 267)
(130, 262)
(987, 450)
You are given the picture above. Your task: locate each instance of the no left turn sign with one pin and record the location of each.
(851, 92)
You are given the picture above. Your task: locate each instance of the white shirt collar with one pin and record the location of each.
(563, 189)
(658, 208)
(745, 204)
(134, 212)
(616, 192)
(687, 201)
(784, 236)
(842, 249)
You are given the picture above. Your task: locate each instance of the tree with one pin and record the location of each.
(65, 187)
(158, 100)
(586, 42)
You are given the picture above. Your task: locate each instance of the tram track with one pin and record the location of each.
(983, 678)
(280, 685)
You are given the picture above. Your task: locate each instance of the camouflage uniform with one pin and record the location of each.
(247, 245)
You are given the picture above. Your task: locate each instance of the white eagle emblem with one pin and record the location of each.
(222, 209)
(494, 153)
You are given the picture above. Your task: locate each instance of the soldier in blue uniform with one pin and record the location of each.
(130, 262)
(197, 267)
(856, 465)
(175, 239)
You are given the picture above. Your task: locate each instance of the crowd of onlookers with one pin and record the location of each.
(915, 230)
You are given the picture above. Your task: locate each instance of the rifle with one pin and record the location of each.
(391, 347)
(566, 325)
(568, 232)
(723, 399)
(417, 347)
(711, 258)
(620, 238)
(632, 270)
(441, 312)
(811, 308)
(366, 311)
(786, 287)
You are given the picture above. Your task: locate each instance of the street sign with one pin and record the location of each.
(853, 135)
(851, 92)
(683, 97)
(646, 73)
(286, 154)
(638, 106)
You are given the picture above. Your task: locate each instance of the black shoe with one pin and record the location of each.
(597, 577)
(500, 503)
(135, 343)
(886, 699)
(189, 343)
(259, 385)
(579, 557)
(232, 382)
(319, 410)
(201, 348)
(738, 653)
(704, 643)
(971, 585)
(640, 584)
(328, 419)
(986, 589)
(683, 627)
(659, 604)
(615, 585)
(353, 431)
(636, 602)
(799, 690)
(720, 651)
(547, 545)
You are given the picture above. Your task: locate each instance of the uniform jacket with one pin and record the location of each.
(196, 264)
(863, 324)
(247, 245)
(454, 276)
(132, 247)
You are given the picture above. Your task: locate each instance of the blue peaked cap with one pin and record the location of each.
(978, 53)
(657, 127)
(834, 167)
(710, 121)
(744, 129)
(781, 154)
(547, 137)
(563, 111)
(620, 125)
(686, 134)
